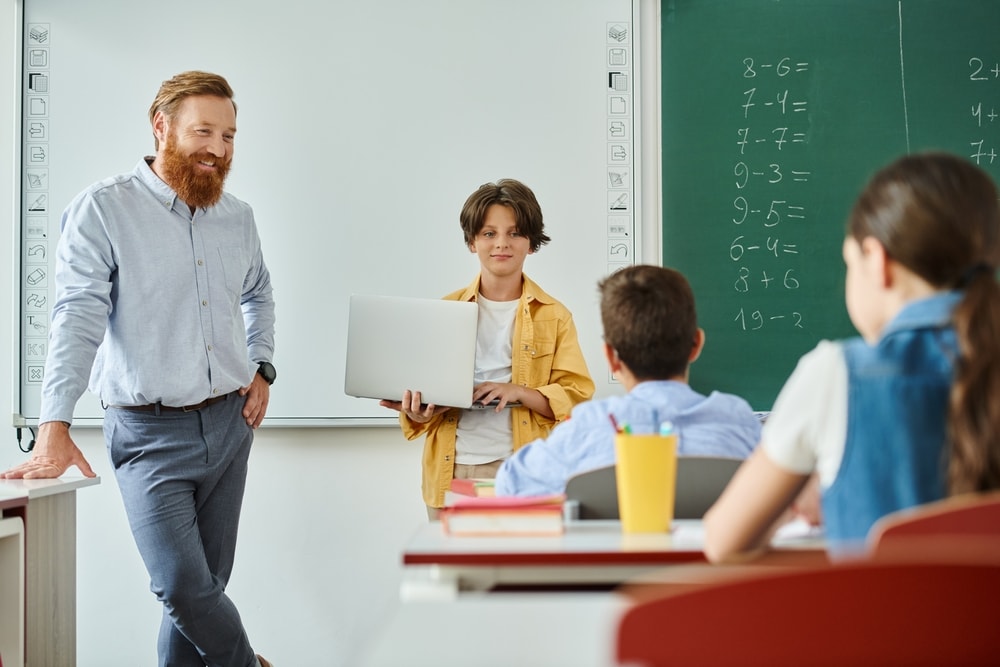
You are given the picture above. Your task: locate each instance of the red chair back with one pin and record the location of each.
(864, 613)
(962, 527)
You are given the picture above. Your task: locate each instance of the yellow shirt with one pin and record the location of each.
(545, 355)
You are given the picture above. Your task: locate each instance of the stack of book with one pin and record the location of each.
(508, 516)
(478, 486)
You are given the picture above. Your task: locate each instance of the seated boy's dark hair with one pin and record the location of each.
(649, 318)
(516, 196)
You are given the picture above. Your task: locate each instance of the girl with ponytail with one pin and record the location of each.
(909, 412)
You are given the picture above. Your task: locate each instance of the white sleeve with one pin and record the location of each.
(808, 426)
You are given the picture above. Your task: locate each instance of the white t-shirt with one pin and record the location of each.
(808, 426)
(486, 435)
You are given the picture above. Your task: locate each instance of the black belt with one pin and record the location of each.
(159, 407)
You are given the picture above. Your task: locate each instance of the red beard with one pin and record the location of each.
(192, 184)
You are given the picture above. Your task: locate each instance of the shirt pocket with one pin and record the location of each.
(234, 268)
(542, 351)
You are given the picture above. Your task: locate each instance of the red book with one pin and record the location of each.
(478, 487)
(507, 515)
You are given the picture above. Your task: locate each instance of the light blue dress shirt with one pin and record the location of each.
(152, 303)
(715, 425)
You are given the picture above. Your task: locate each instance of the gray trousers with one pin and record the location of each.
(182, 476)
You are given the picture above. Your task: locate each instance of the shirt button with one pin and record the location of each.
(215, 391)
(204, 303)
(201, 263)
(209, 348)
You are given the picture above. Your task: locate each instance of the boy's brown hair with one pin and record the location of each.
(649, 319)
(516, 196)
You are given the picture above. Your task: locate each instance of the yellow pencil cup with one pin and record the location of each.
(646, 474)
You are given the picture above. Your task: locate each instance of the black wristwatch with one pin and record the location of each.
(266, 371)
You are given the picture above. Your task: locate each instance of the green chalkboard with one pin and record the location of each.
(774, 114)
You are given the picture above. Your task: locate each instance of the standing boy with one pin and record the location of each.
(164, 302)
(527, 350)
(651, 336)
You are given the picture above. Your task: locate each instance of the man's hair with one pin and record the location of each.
(649, 318)
(516, 196)
(186, 84)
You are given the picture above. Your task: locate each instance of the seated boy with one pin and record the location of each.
(651, 336)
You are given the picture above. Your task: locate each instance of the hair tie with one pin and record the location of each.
(971, 273)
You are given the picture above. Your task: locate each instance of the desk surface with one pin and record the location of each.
(38, 488)
(589, 553)
(583, 543)
(540, 630)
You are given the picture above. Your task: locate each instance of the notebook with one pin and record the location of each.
(397, 343)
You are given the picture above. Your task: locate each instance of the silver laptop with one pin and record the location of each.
(397, 343)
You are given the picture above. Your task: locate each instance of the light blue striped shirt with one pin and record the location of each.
(715, 425)
(152, 303)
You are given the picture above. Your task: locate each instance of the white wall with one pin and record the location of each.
(326, 514)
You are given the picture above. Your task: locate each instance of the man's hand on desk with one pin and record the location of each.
(53, 454)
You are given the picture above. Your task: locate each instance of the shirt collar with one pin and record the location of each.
(530, 291)
(163, 192)
(931, 312)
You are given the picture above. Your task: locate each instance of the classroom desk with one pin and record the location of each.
(11, 586)
(48, 509)
(529, 629)
(589, 553)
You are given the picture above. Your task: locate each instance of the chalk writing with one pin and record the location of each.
(985, 111)
(770, 169)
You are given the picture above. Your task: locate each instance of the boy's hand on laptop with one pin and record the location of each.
(501, 392)
(507, 394)
(413, 408)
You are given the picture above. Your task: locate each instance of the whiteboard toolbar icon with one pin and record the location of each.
(38, 57)
(38, 33)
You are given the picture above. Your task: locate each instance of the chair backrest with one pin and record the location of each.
(862, 613)
(595, 492)
(971, 520)
(700, 481)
